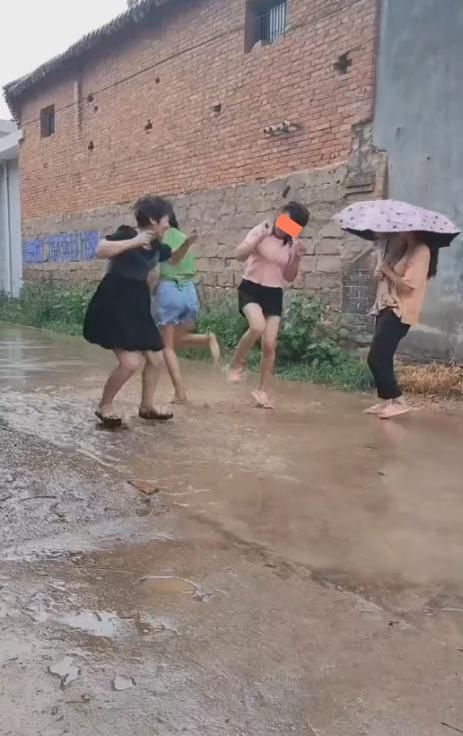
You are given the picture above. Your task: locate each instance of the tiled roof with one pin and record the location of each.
(136, 12)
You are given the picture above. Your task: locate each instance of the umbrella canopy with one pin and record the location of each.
(382, 217)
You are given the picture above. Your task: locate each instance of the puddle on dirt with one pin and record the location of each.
(121, 683)
(66, 670)
(168, 584)
(189, 492)
(97, 623)
(315, 480)
(109, 625)
(96, 537)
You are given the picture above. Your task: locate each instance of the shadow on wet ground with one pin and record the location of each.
(320, 540)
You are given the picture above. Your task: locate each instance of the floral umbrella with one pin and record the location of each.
(378, 218)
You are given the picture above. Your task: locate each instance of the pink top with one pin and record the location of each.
(268, 262)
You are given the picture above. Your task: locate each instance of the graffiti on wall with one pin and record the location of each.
(61, 247)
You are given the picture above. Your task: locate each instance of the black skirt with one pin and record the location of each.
(269, 298)
(119, 316)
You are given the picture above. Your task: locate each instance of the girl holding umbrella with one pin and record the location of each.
(403, 273)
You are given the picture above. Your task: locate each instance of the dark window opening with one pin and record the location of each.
(47, 121)
(265, 22)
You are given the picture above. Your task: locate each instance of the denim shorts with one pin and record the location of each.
(175, 303)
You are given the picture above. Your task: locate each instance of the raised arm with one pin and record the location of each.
(293, 265)
(181, 252)
(110, 248)
(251, 241)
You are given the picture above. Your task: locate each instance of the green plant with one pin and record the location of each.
(48, 304)
(221, 316)
(305, 335)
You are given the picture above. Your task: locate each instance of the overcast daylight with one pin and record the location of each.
(231, 368)
(37, 31)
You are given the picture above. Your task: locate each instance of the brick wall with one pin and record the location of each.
(61, 246)
(157, 129)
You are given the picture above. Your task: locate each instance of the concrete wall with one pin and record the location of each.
(419, 117)
(62, 246)
(10, 216)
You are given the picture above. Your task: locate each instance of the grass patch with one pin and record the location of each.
(49, 306)
(350, 375)
(309, 347)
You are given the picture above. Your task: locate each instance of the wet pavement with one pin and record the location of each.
(233, 572)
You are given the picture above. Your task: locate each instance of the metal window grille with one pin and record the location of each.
(272, 23)
(47, 121)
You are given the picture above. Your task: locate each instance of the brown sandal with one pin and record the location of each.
(152, 415)
(112, 421)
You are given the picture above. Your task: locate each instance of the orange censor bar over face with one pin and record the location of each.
(288, 226)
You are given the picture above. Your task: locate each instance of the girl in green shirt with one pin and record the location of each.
(176, 308)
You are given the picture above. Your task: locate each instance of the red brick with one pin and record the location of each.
(189, 148)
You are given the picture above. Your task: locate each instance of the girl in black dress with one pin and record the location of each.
(119, 314)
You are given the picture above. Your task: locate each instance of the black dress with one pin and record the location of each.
(119, 314)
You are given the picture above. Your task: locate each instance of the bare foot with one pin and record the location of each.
(262, 400)
(234, 375)
(396, 409)
(214, 349)
(179, 398)
(375, 409)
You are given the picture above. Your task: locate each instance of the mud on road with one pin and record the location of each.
(288, 573)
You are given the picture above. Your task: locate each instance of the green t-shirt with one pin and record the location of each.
(185, 270)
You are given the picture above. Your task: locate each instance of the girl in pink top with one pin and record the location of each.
(272, 260)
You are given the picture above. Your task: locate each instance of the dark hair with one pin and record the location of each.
(173, 222)
(150, 208)
(297, 212)
(432, 240)
(434, 262)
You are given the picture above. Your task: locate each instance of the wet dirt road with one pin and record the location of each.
(296, 572)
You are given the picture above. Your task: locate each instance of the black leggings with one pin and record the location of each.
(389, 332)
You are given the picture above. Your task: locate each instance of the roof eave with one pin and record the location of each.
(14, 90)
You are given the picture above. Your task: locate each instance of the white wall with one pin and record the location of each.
(10, 211)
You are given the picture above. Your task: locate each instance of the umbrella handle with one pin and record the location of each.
(361, 255)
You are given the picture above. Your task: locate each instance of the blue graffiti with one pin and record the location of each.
(61, 247)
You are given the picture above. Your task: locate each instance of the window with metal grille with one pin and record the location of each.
(47, 121)
(265, 22)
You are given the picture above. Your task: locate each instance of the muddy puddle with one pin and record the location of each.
(362, 504)
(98, 623)
(167, 585)
(109, 625)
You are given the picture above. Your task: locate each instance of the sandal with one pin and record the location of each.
(153, 415)
(109, 420)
